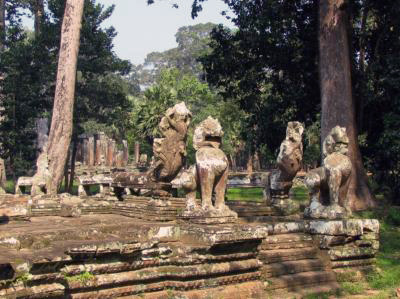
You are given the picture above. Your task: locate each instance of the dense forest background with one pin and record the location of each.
(254, 78)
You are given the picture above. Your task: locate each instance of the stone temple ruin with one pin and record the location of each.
(137, 238)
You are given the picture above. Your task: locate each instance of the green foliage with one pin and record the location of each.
(376, 28)
(173, 87)
(25, 67)
(28, 65)
(312, 144)
(353, 288)
(23, 278)
(192, 43)
(387, 275)
(9, 186)
(393, 216)
(269, 65)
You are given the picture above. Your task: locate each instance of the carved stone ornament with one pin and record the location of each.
(328, 185)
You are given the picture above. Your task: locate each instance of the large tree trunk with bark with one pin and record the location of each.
(336, 92)
(249, 164)
(38, 11)
(2, 36)
(2, 22)
(73, 161)
(61, 122)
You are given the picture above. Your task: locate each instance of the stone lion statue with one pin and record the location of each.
(170, 150)
(328, 185)
(210, 174)
(290, 157)
(289, 162)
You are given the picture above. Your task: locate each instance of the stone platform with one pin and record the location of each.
(107, 256)
(110, 252)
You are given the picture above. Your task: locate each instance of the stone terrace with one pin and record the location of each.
(110, 255)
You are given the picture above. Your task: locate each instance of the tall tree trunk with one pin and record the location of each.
(336, 92)
(232, 159)
(66, 171)
(2, 35)
(73, 160)
(256, 161)
(61, 122)
(137, 152)
(249, 164)
(37, 8)
(360, 101)
(2, 22)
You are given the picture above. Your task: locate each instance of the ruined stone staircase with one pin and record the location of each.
(292, 262)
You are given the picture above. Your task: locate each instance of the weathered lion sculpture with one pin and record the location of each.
(289, 162)
(170, 150)
(210, 174)
(328, 185)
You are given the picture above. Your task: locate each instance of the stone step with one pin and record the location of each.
(250, 289)
(287, 238)
(252, 213)
(171, 273)
(292, 282)
(179, 264)
(292, 267)
(283, 255)
(116, 291)
(353, 263)
(286, 245)
(273, 218)
(52, 290)
(300, 292)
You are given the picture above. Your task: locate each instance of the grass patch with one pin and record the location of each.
(353, 288)
(24, 278)
(245, 194)
(384, 295)
(83, 278)
(9, 186)
(387, 276)
(318, 296)
(300, 194)
(324, 295)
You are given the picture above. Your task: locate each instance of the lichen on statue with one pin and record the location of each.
(290, 156)
(210, 174)
(328, 185)
(170, 150)
(289, 162)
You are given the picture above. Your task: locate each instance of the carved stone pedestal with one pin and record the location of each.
(318, 211)
(224, 234)
(210, 216)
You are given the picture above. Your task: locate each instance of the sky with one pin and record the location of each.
(143, 28)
